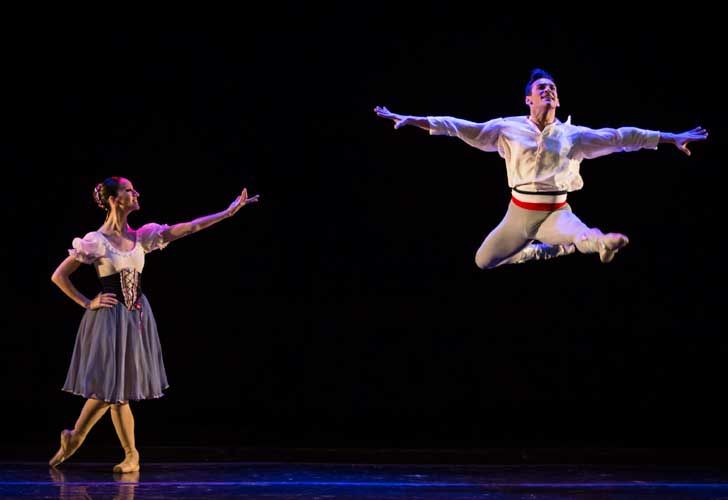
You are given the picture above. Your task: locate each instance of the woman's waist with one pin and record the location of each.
(126, 285)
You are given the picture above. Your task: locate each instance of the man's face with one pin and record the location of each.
(543, 95)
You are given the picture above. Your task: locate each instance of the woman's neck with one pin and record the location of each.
(115, 223)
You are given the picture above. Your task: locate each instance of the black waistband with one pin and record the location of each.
(112, 284)
(548, 193)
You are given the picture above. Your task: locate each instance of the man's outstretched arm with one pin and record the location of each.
(592, 143)
(483, 136)
(682, 139)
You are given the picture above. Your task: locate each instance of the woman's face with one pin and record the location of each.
(127, 198)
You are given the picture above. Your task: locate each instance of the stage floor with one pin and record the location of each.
(248, 480)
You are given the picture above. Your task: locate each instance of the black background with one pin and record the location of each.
(346, 309)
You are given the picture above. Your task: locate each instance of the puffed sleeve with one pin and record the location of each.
(151, 236)
(88, 249)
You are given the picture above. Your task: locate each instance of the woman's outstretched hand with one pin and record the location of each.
(241, 201)
(682, 140)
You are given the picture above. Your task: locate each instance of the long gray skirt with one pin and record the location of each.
(117, 356)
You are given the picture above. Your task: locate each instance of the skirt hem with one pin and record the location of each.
(96, 396)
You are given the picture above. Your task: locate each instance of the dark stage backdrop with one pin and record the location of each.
(346, 309)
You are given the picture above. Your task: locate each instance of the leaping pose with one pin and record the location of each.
(542, 157)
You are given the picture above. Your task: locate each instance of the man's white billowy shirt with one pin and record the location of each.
(548, 159)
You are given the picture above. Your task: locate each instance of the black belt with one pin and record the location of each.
(548, 193)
